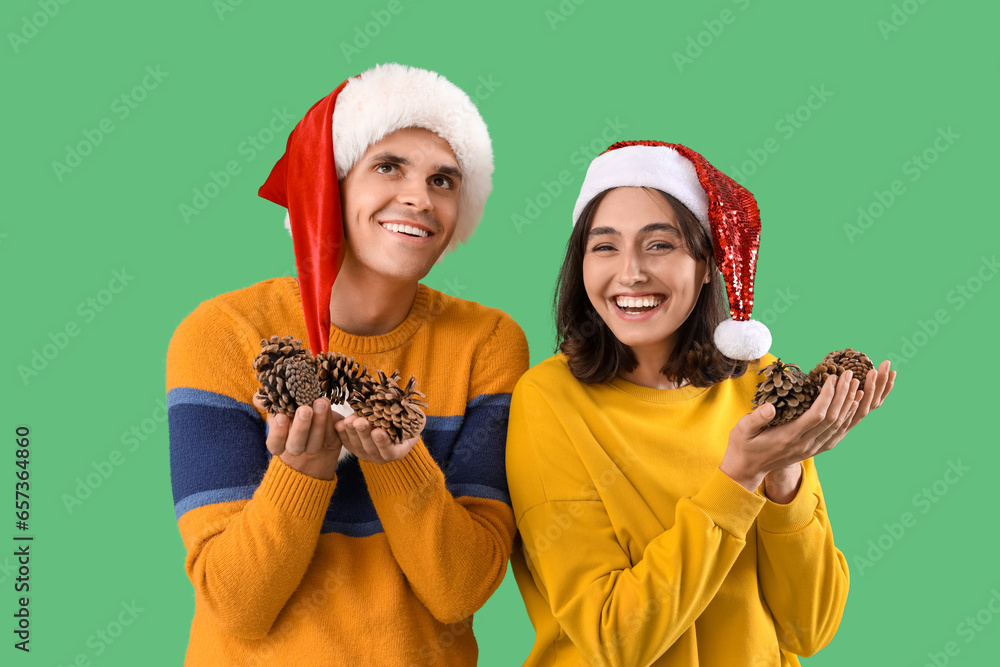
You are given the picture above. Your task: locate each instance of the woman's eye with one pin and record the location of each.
(661, 245)
(602, 247)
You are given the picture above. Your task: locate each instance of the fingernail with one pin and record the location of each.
(302, 413)
(280, 420)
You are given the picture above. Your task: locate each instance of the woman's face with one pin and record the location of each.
(637, 269)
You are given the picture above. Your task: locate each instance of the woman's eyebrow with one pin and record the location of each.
(600, 231)
(660, 227)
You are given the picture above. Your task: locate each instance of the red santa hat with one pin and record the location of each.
(331, 138)
(725, 209)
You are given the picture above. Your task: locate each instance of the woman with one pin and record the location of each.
(661, 524)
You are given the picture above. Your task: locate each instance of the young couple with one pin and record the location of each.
(657, 522)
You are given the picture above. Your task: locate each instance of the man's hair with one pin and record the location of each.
(596, 355)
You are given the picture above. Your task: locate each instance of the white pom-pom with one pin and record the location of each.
(747, 340)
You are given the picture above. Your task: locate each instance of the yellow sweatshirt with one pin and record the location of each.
(635, 549)
(386, 563)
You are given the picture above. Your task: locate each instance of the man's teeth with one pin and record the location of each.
(405, 229)
(637, 302)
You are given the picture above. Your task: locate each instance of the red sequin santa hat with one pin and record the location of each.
(331, 138)
(725, 209)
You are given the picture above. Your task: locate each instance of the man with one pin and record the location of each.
(298, 552)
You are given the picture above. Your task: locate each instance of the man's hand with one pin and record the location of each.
(309, 443)
(370, 444)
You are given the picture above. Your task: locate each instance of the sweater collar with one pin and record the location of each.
(652, 395)
(350, 344)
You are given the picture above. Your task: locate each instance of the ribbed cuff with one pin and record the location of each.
(729, 505)
(794, 516)
(411, 472)
(290, 491)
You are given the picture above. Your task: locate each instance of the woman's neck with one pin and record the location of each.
(649, 362)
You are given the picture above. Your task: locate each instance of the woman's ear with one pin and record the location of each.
(709, 267)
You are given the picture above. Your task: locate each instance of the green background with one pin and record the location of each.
(550, 78)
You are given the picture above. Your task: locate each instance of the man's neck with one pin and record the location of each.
(365, 304)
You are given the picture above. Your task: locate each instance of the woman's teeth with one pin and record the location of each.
(630, 304)
(405, 229)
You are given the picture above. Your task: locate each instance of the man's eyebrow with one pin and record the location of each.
(449, 170)
(386, 156)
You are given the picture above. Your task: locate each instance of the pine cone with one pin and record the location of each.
(388, 406)
(787, 388)
(287, 375)
(338, 375)
(840, 361)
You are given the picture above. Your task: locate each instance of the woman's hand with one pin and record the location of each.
(756, 451)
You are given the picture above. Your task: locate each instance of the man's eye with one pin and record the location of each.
(385, 168)
(443, 182)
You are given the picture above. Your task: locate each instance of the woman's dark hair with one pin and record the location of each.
(595, 355)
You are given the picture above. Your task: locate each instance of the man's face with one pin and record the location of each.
(400, 205)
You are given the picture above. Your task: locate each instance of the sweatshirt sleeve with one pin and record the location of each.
(803, 576)
(250, 525)
(451, 527)
(616, 612)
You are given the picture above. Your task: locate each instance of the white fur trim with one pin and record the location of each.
(391, 97)
(658, 167)
(747, 340)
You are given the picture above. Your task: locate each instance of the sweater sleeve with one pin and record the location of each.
(451, 529)
(616, 612)
(250, 525)
(803, 576)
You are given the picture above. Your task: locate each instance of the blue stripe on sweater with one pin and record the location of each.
(218, 454)
(216, 445)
